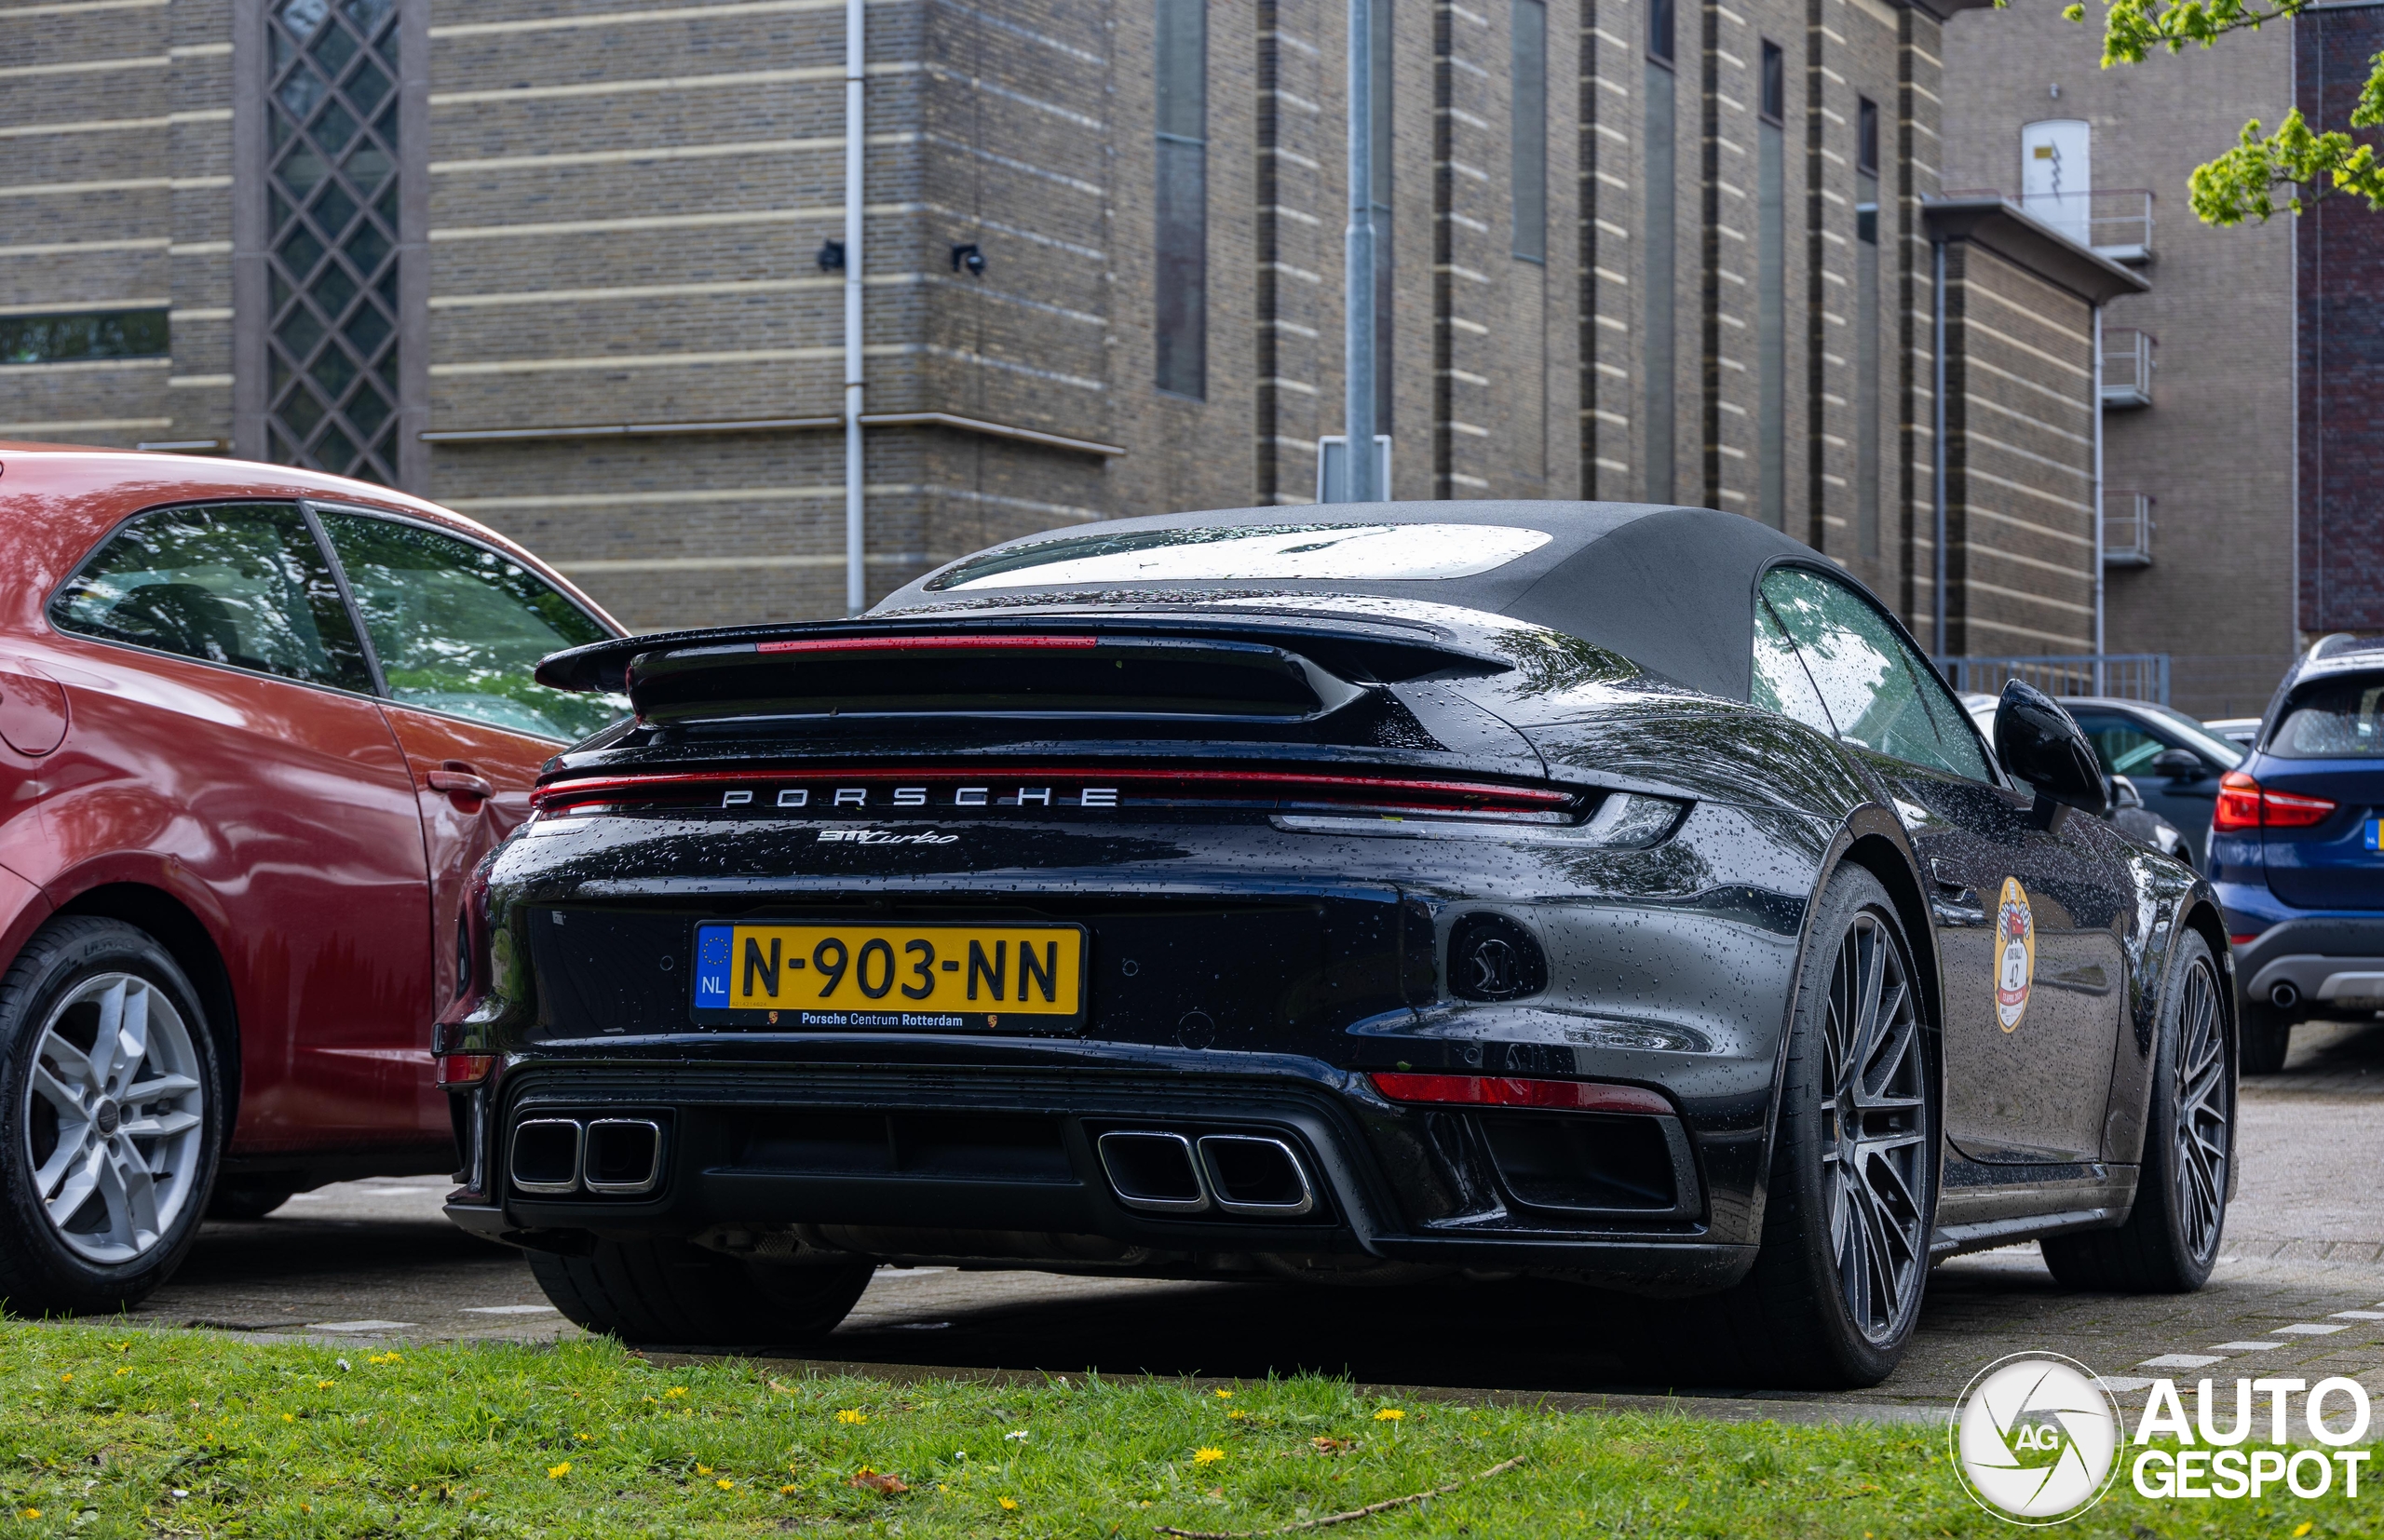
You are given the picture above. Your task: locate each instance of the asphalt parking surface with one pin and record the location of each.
(2299, 1290)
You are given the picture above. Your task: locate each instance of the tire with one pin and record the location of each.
(142, 1163)
(239, 1204)
(2267, 1036)
(2169, 1241)
(669, 1293)
(1843, 1190)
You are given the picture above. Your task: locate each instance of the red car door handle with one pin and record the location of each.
(461, 783)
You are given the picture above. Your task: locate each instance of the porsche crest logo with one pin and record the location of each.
(2015, 953)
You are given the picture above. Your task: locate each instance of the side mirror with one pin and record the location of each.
(2124, 794)
(2043, 747)
(2179, 765)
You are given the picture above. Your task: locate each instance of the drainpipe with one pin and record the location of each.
(1357, 280)
(1937, 434)
(856, 57)
(2101, 684)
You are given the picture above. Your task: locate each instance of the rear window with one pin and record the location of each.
(2333, 721)
(1240, 553)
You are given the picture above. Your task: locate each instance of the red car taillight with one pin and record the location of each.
(1492, 1090)
(2244, 803)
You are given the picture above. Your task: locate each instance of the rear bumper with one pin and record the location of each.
(2322, 959)
(1001, 1165)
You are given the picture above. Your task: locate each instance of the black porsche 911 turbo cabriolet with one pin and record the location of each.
(1351, 894)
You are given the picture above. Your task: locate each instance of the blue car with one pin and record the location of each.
(2295, 851)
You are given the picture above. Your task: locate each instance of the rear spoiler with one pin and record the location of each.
(1360, 652)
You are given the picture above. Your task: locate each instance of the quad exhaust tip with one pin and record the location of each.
(1249, 1175)
(609, 1156)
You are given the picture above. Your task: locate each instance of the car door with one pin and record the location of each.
(2026, 909)
(223, 718)
(455, 628)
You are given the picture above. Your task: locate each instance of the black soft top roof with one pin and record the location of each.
(1672, 588)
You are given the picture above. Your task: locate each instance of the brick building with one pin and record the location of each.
(2198, 417)
(562, 268)
(2338, 352)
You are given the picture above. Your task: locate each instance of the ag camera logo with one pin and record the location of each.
(2036, 1439)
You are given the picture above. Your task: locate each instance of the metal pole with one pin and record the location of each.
(2101, 682)
(1937, 434)
(856, 59)
(1358, 303)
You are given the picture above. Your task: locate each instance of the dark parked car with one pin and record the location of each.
(2174, 761)
(2128, 812)
(1351, 894)
(257, 727)
(2294, 853)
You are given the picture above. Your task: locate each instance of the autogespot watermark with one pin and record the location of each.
(2036, 1440)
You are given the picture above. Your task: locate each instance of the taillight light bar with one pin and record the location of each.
(929, 644)
(2245, 804)
(1492, 1090)
(1170, 785)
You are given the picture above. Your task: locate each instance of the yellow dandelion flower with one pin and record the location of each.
(322, 1384)
(585, 1438)
(849, 1415)
(306, 1508)
(1207, 1456)
(1009, 1503)
(123, 1372)
(64, 1377)
(33, 1513)
(786, 1491)
(1237, 1416)
(556, 1473)
(703, 1471)
(674, 1391)
(725, 1484)
(1224, 1395)
(2306, 1527)
(1390, 1414)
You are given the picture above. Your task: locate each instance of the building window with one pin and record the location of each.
(72, 339)
(1771, 291)
(1866, 328)
(332, 237)
(1530, 79)
(1657, 403)
(1182, 197)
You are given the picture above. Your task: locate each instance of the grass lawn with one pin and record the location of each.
(141, 1433)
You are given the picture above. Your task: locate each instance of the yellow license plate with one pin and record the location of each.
(872, 976)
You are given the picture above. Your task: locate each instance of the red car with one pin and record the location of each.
(257, 726)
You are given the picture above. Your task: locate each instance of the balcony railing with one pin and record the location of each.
(2127, 366)
(2127, 529)
(2115, 223)
(2130, 676)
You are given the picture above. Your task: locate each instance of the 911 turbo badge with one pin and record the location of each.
(884, 836)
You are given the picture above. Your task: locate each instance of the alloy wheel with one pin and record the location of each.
(113, 1117)
(2199, 1105)
(1874, 1129)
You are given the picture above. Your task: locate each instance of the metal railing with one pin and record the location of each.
(2127, 529)
(2131, 676)
(2116, 222)
(2127, 366)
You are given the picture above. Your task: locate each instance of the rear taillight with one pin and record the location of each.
(2244, 803)
(463, 1069)
(930, 792)
(2280, 810)
(1494, 1091)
